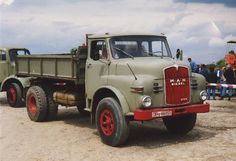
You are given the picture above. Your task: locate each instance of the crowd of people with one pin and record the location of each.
(225, 75)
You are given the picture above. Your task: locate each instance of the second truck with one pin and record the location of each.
(9, 83)
(117, 79)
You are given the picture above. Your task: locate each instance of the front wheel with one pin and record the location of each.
(14, 95)
(180, 124)
(112, 126)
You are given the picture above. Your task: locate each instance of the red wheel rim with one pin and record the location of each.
(12, 95)
(107, 122)
(32, 105)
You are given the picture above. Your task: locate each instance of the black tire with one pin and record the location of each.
(116, 132)
(36, 104)
(180, 124)
(14, 95)
(52, 106)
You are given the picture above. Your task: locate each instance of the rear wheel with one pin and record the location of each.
(180, 124)
(112, 126)
(36, 103)
(14, 95)
(52, 106)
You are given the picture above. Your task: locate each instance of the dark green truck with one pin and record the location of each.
(8, 81)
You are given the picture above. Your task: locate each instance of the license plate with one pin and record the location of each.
(161, 113)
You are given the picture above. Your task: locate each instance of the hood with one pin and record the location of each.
(153, 66)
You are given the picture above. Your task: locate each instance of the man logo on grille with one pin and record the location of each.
(178, 82)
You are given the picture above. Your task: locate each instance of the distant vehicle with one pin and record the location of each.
(230, 58)
(8, 82)
(117, 79)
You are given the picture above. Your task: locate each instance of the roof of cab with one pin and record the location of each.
(108, 35)
(9, 48)
(231, 41)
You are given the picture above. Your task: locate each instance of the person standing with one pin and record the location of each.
(211, 78)
(204, 71)
(229, 76)
(221, 78)
(219, 73)
(193, 65)
(234, 90)
(198, 68)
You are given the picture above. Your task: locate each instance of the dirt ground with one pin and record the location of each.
(72, 138)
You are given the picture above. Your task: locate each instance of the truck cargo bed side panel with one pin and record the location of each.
(47, 66)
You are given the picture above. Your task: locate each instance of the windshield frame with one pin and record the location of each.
(139, 39)
(14, 52)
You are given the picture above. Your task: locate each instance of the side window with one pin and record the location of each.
(3, 55)
(156, 47)
(14, 52)
(98, 50)
(159, 48)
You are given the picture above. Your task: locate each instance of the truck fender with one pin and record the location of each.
(24, 82)
(119, 95)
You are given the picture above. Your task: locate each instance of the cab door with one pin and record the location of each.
(3, 65)
(97, 65)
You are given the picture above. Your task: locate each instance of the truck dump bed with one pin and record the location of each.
(53, 66)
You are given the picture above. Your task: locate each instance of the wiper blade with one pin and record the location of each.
(124, 52)
(153, 53)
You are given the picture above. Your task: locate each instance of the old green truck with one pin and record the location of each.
(8, 82)
(117, 79)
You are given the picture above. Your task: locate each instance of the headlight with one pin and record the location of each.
(203, 95)
(146, 101)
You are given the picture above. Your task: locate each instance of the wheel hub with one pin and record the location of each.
(107, 122)
(32, 105)
(12, 95)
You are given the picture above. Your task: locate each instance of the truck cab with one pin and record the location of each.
(141, 67)
(139, 73)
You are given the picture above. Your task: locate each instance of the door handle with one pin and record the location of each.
(89, 65)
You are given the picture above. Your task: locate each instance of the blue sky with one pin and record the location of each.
(200, 28)
(228, 3)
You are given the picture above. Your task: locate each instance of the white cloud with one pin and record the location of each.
(6, 2)
(220, 42)
(58, 25)
(216, 42)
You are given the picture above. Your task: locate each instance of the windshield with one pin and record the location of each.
(139, 46)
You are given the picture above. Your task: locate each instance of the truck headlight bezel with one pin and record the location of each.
(203, 95)
(146, 101)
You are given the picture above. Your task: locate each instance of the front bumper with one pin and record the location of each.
(144, 115)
